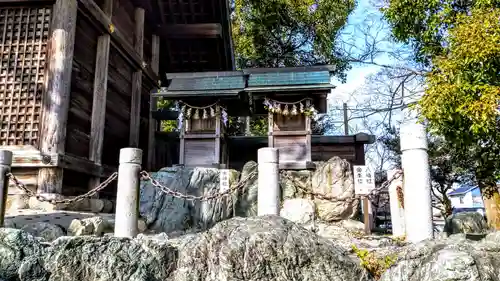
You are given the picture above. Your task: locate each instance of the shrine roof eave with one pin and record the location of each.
(295, 88)
(228, 94)
(329, 68)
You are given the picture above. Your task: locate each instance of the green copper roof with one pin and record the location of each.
(207, 83)
(288, 78)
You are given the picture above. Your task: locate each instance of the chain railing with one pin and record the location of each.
(205, 197)
(91, 193)
(308, 189)
(145, 176)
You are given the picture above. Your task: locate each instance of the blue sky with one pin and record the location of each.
(364, 14)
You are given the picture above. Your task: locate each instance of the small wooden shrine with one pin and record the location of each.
(290, 97)
(202, 103)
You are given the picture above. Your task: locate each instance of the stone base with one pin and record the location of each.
(92, 205)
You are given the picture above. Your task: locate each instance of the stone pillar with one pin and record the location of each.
(127, 195)
(268, 196)
(417, 185)
(397, 211)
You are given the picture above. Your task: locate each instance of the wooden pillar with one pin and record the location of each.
(99, 97)
(308, 132)
(135, 105)
(56, 97)
(218, 122)
(270, 129)
(155, 65)
(182, 142)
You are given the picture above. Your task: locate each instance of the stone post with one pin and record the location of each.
(5, 163)
(417, 185)
(127, 197)
(397, 211)
(268, 196)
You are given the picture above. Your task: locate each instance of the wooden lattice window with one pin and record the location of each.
(24, 35)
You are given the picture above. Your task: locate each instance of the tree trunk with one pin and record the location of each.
(491, 199)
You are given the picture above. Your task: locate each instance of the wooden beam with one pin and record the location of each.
(155, 65)
(56, 98)
(198, 30)
(82, 165)
(103, 22)
(33, 159)
(99, 98)
(161, 8)
(135, 104)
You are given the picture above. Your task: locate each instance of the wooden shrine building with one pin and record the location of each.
(288, 97)
(76, 75)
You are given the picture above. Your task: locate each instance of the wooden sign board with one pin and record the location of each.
(364, 180)
(223, 180)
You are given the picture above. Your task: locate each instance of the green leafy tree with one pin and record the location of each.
(425, 24)
(279, 33)
(458, 40)
(462, 98)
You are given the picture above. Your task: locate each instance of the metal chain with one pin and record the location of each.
(330, 198)
(40, 198)
(241, 184)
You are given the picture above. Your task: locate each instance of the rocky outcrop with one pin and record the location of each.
(17, 248)
(260, 248)
(455, 258)
(467, 222)
(166, 213)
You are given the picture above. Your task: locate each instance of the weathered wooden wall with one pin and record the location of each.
(82, 83)
(23, 50)
(69, 157)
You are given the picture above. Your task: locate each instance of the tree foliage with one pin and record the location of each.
(463, 91)
(425, 24)
(460, 41)
(280, 33)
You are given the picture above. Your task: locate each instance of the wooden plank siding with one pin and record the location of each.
(82, 84)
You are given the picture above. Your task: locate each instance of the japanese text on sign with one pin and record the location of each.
(364, 180)
(224, 180)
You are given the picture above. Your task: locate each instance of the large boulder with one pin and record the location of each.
(165, 213)
(334, 178)
(455, 258)
(262, 248)
(467, 222)
(16, 248)
(101, 259)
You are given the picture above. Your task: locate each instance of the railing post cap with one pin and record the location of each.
(412, 136)
(268, 155)
(6, 157)
(131, 155)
